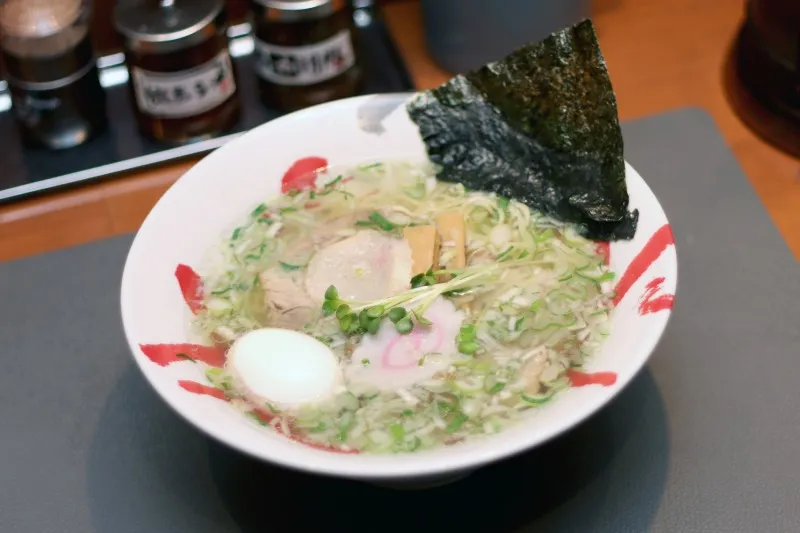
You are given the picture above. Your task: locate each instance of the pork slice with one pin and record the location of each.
(368, 266)
(288, 305)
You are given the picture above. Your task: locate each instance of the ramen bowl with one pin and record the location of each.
(159, 293)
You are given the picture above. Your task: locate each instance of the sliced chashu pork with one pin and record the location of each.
(368, 266)
(288, 305)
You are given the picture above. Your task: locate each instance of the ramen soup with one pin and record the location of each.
(430, 314)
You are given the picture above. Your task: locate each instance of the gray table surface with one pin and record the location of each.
(706, 439)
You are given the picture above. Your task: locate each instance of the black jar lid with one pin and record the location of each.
(299, 10)
(162, 26)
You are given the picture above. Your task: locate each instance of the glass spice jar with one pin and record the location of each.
(50, 68)
(182, 79)
(306, 52)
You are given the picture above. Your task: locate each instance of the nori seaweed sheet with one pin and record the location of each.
(540, 126)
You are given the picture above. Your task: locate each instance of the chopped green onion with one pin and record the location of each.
(345, 423)
(505, 254)
(468, 333)
(468, 348)
(382, 222)
(254, 416)
(258, 210)
(497, 387)
(605, 276)
(537, 399)
(260, 253)
(414, 444)
(445, 408)
(318, 428)
(417, 192)
(457, 422)
(398, 431)
(289, 267)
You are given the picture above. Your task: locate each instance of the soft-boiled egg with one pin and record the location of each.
(284, 368)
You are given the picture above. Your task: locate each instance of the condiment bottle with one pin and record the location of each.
(182, 79)
(305, 52)
(770, 54)
(51, 71)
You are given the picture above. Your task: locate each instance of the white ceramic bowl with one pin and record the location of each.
(209, 200)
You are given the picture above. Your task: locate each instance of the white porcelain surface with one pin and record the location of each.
(207, 202)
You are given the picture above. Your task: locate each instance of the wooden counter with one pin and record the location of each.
(661, 54)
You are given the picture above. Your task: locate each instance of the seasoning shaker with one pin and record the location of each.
(51, 71)
(306, 52)
(182, 80)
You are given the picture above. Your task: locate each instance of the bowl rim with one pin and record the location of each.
(369, 466)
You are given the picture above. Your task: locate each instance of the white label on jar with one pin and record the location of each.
(305, 65)
(184, 93)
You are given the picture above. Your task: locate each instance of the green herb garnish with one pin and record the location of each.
(467, 340)
(398, 431)
(457, 422)
(287, 267)
(254, 416)
(258, 210)
(425, 279)
(497, 387)
(378, 221)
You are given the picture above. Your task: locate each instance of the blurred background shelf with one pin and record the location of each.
(121, 149)
(661, 54)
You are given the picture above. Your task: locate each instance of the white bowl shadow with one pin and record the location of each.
(148, 470)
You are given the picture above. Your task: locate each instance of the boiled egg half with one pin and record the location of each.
(284, 368)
